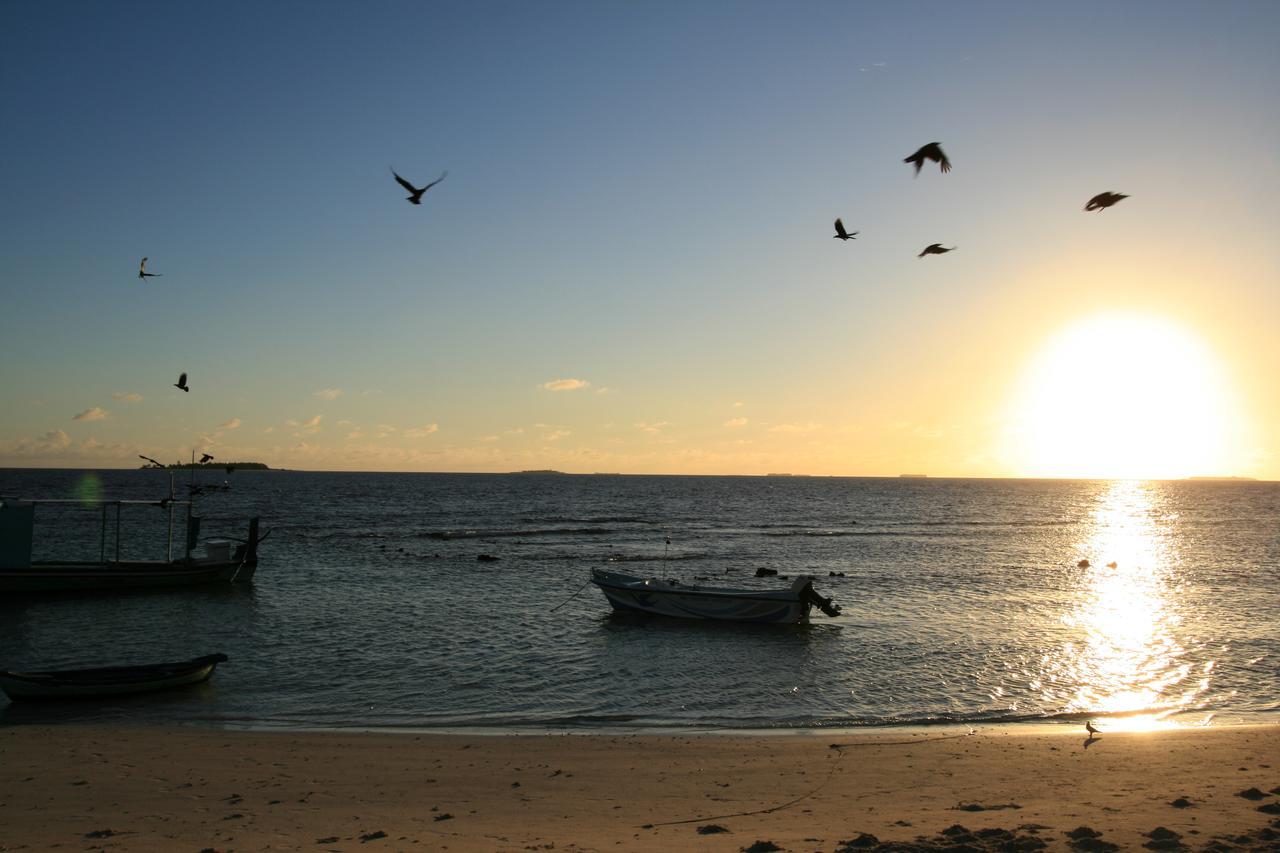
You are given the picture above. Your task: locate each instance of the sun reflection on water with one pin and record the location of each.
(1125, 660)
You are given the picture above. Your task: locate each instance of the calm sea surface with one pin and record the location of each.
(963, 602)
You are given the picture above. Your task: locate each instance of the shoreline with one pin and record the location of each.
(190, 787)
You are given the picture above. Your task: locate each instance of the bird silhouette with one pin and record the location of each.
(143, 274)
(205, 457)
(936, 249)
(152, 461)
(932, 151)
(1102, 201)
(1088, 727)
(842, 234)
(415, 194)
(182, 383)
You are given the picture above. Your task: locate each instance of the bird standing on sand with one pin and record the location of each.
(932, 151)
(1088, 727)
(415, 194)
(182, 382)
(842, 234)
(143, 274)
(936, 249)
(1102, 201)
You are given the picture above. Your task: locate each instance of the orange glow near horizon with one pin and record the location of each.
(1125, 395)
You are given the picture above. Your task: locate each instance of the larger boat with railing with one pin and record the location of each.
(211, 561)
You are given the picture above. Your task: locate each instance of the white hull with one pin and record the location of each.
(685, 601)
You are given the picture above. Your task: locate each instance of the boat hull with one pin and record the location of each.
(82, 577)
(107, 681)
(629, 594)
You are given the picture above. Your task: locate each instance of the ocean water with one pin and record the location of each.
(964, 602)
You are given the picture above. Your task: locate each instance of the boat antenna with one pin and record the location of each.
(666, 544)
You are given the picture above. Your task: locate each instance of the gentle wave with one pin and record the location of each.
(508, 534)
(602, 519)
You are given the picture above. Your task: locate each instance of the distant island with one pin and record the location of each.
(539, 471)
(183, 466)
(913, 476)
(1223, 478)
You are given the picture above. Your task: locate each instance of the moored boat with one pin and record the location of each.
(210, 561)
(108, 680)
(787, 606)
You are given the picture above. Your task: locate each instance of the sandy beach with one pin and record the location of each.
(87, 787)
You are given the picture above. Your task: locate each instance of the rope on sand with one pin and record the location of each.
(830, 774)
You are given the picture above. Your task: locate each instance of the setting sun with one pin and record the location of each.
(1124, 395)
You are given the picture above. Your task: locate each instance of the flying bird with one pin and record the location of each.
(182, 383)
(1088, 727)
(936, 249)
(415, 194)
(932, 151)
(1102, 201)
(205, 457)
(143, 274)
(842, 234)
(149, 459)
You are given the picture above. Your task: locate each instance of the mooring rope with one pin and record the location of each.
(838, 747)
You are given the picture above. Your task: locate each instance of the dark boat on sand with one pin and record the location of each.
(108, 680)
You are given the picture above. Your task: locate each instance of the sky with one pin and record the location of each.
(630, 265)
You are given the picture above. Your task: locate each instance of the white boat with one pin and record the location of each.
(689, 601)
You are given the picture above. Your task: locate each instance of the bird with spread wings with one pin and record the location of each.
(842, 234)
(932, 151)
(143, 274)
(415, 194)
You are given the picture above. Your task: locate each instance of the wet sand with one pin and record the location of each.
(121, 788)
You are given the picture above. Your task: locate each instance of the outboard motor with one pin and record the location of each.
(824, 604)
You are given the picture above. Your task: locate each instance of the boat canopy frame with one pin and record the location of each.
(163, 503)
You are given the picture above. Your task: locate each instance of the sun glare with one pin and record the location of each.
(1123, 396)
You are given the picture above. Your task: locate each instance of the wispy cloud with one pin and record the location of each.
(57, 447)
(50, 442)
(234, 423)
(796, 427)
(735, 422)
(127, 397)
(354, 434)
(604, 389)
(652, 428)
(564, 384)
(556, 435)
(307, 427)
(94, 414)
(422, 431)
(737, 404)
(329, 393)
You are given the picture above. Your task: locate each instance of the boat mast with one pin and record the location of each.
(168, 551)
(191, 499)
